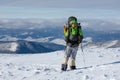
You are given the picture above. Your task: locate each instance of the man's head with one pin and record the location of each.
(72, 21)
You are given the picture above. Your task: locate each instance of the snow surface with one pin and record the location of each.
(100, 64)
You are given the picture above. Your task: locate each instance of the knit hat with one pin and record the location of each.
(73, 22)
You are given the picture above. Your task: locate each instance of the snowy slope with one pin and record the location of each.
(100, 64)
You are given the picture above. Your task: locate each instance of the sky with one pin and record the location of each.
(50, 9)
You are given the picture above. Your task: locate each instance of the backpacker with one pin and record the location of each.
(72, 38)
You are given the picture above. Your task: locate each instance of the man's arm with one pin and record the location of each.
(66, 33)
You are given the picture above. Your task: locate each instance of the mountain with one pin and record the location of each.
(20, 29)
(100, 59)
(108, 44)
(22, 46)
(50, 32)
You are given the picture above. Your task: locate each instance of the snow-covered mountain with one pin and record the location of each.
(101, 50)
(38, 28)
(51, 31)
(28, 47)
(108, 44)
(100, 64)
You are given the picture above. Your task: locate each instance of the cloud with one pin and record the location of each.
(99, 4)
(60, 8)
(36, 12)
(101, 25)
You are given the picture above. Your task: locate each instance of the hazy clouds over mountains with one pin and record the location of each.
(95, 24)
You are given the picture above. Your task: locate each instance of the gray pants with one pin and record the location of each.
(71, 52)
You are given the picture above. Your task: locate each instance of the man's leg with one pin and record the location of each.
(64, 64)
(66, 57)
(72, 58)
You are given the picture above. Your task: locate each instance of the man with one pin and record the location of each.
(73, 37)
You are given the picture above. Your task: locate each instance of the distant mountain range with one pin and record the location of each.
(22, 46)
(98, 30)
(36, 35)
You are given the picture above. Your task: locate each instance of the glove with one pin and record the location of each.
(65, 29)
(78, 42)
(80, 39)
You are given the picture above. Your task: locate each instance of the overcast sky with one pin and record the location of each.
(109, 9)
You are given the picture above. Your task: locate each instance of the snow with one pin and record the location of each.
(88, 39)
(100, 64)
(45, 39)
(13, 46)
(9, 38)
(9, 46)
(111, 43)
(59, 41)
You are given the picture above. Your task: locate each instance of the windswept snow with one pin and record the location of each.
(100, 64)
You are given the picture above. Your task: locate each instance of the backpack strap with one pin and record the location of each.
(69, 31)
(81, 36)
(78, 28)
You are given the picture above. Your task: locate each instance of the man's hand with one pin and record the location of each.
(65, 29)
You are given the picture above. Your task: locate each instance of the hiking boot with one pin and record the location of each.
(64, 67)
(72, 67)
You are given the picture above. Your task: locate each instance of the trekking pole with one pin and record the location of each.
(83, 54)
(81, 47)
